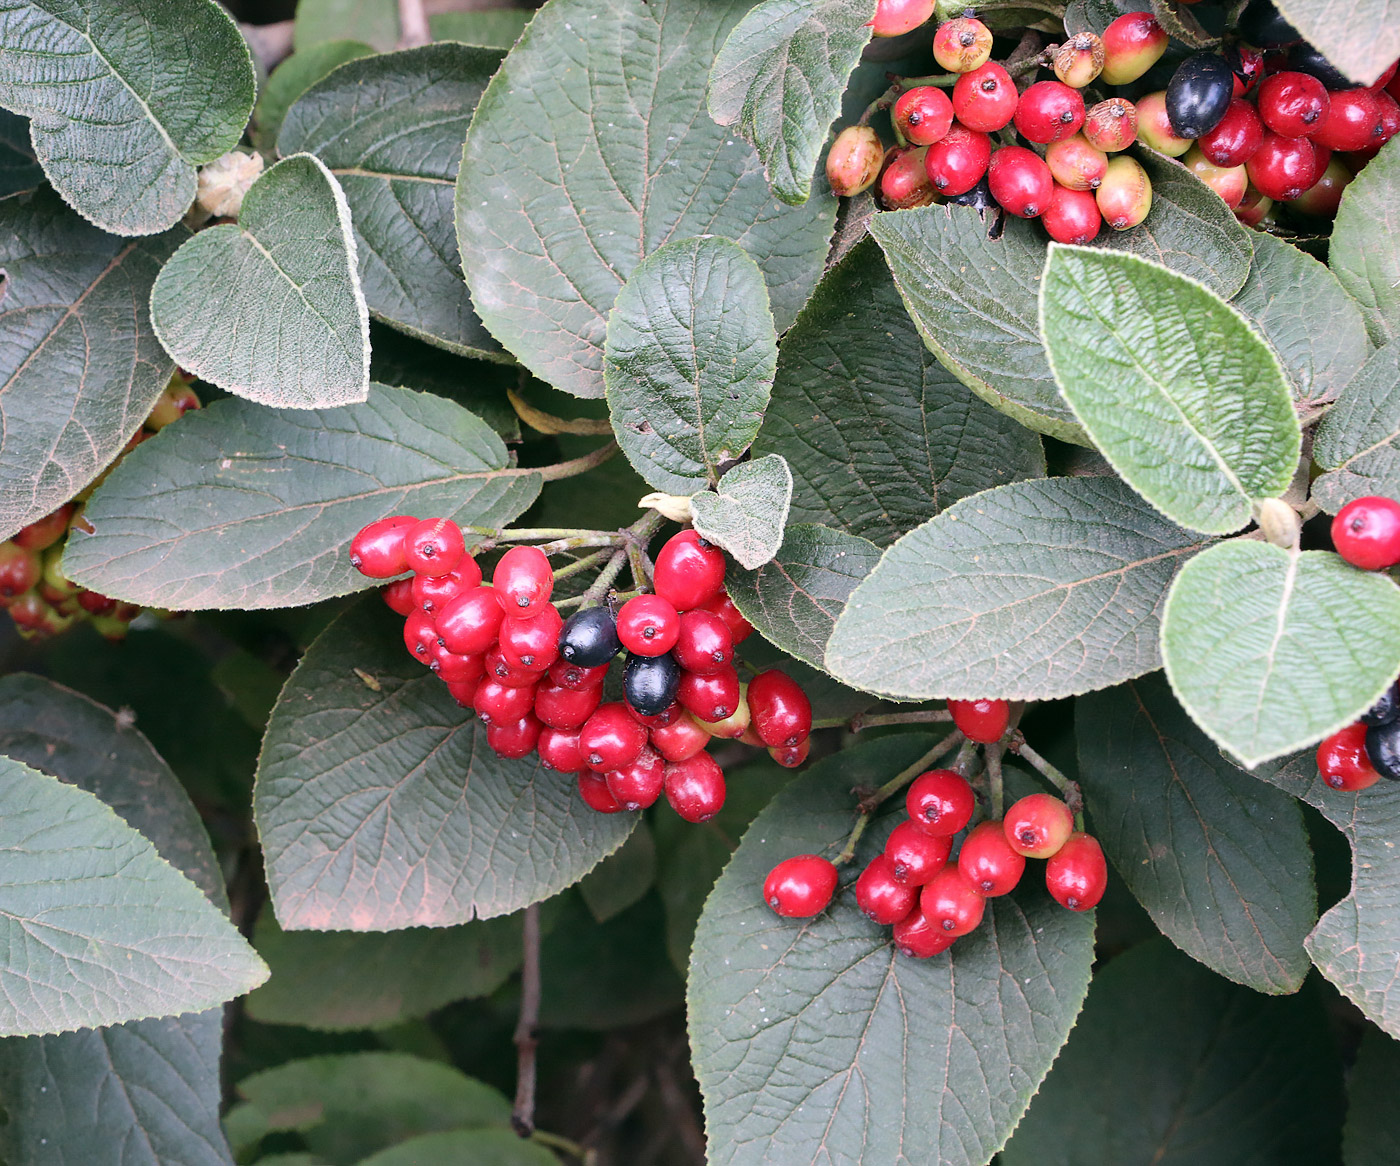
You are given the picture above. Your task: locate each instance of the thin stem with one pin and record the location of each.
(579, 541)
(939, 80)
(562, 1144)
(640, 575)
(527, 534)
(995, 785)
(872, 801)
(918, 717)
(578, 465)
(522, 1114)
(578, 566)
(1069, 790)
(881, 103)
(599, 587)
(542, 422)
(413, 25)
(965, 762)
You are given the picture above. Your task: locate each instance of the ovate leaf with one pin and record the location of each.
(390, 128)
(125, 99)
(297, 74)
(241, 506)
(1030, 591)
(1365, 247)
(1220, 861)
(878, 434)
(380, 806)
(780, 76)
(80, 367)
(814, 1040)
(1185, 400)
(1270, 650)
(689, 361)
(1372, 1133)
(1359, 439)
(590, 149)
(1361, 39)
(747, 512)
(271, 309)
(1096, 15)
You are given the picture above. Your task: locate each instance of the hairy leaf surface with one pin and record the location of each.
(748, 511)
(1359, 439)
(1365, 248)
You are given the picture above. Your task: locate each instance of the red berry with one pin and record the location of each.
(399, 596)
(1155, 127)
(450, 667)
(1077, 875)
(532, 643)
(1079, 60)
(1235, 138)
(1343, 762)
(20, 569)
(1111, 125)
(896, 17)
(1352, 122)
(378, 550)
(1072, 216)
(1048, 111)
(951, 903)
(567, 675)
(469, 624)
(1324, 197)
(434, 546)
(524, 581)
(593, 789)
(705, 644)
(988, 862)
(791, 756)
(558, 749)
(923, 114)
(940, 802)
(915, 854)
(780, 711)
(648, 625)
(801, 886)
(1020, 181)
(962, 44)
(882, 897)
(689, 571)
(711, 698)
(432, 593)
(670, 714)
(1283, 168)
(904, 182)
(722, 606)
(1038, 825)
(610, 738)
(496, 665)
(504, 704)
(566, 708)
(1366, 533)
(680, 740)
(985, 99)
(695, 787)
(1075, 164)
(983, 721)
(419, 635)
(1132, 44)
(42, 533)
(854, 160)
(464, 691)
(1293, 104)
(918, 938)
(956, 163)
(1229, 182)
(516, 739)
(637, 784)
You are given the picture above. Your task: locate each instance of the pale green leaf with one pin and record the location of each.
(1365, 247)
(1359, 439)
(297, 74)
(748, 510)
(491, 28)
(1359, 37)
(376, 22)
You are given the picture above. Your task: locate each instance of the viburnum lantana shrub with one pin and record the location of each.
(866, 521)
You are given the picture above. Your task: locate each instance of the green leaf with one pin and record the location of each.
(795, 599)
(376, 22)
(271, 309)
(1371, 1136)
(815, 1041)
(590, 149)
(167, 1070)
(1359, 440)
(479, 1147)
(1172, 1066)
(1031, 591)
(19, 169)
(381, 807)
(623, 877)
(878, 434)
(125, 99)
(1220, 861)
(1271, 651)
(246, 507)
(1299, 307)
(1181, 25)
(1359, 37)
(80, 368)
(349, 1105)
(478, 385)
(390, 128)
(1182, 397)
(1096, 15)
(1363, 252)
(748, 511)
(339, 980)
(297, 74)
(491, 28)
(780, 76)
(689, 361)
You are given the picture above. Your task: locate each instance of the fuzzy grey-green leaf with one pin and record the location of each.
(1359, 37)
(1359, 439)
(1365, 247)
(748, 510)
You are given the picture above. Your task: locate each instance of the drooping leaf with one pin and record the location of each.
(450, 1148)
(491, 28)
(1031, 591)
(1220, 861)
(1371, 1136)
(1361, 39)
(271, 309)
(338, 980)
(1182, 397)
(1299, 307)
(380, 806)
(878, 434)
(795, 599)
(80, 368)
(1359, 440)
(622, 878)
(780, 76)
(1271, 651)
(19, 169)
(1172, 1066)
(296, 75)
(241, 506)
(1365, 248)
(688, 361)
(814, 1040)
(125, 99)
(376, 22)
(590, 149)
(390, 128)
(748, 510)
(148, 1090)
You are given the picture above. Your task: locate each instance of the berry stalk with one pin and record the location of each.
(871, 802)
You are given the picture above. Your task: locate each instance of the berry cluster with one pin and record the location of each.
(1366, 751)
(536, 680)
(913, 887)
(41, 600)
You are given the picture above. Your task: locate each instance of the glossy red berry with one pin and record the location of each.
(1366, 533)
(1132, 44)
(882, 897)
(683, 738)
(1293, 104)
(1047, 112)
(904, 182)
(985, 99)
(593, 789)
(515, 675)
(1111, 125)
(648, 625)
(1037, 825)
(923, 114)
(504, 704)
(419, 635)
(567, 675)
(1352, 122)
(988, 862)
(514, 739)
(791, 756)
(42, 533)
(951, 903)
(983, 721)
(1077, 875)
(468, 624)
(1236, 137)
(962, 44)
(695, 787)
(433, 546)
(558, 749)
(916, 937)
(378, 550)
(1324, 197)
(801, 886)
(779, 710)
(1283, 168)
(637, 784)
(20, 569)
(1020, 181)
(610, 738)
(464, 691)
(1343, 762)
(532, 643)
(854, 160)
(1072, 216)
(1075, 164)
(689, 571)
(666, 716)
(940, 802)
(450, 667)
(566, 708)
(399, 596)
(524, 581)
(711, 698)
(956, 163)
(432, 593)
(916, 855)
(705, 644)
(722, 606)
(896, 17)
